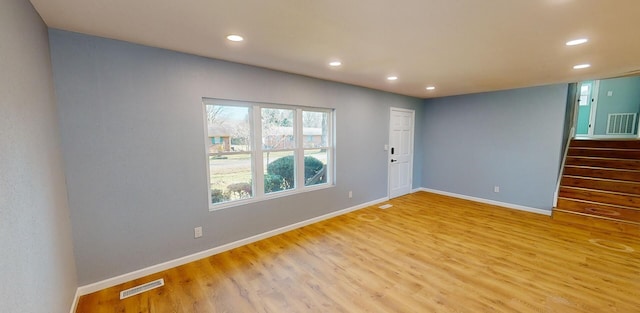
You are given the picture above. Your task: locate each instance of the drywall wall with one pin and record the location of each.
(511, 139)
(37, 263)
(569, 117)
(133, 141)
(616, 95)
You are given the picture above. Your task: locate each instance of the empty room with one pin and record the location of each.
(319, 156)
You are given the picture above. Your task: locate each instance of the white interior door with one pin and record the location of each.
(400, 152)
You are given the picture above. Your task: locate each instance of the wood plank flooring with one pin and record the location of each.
(427, 253)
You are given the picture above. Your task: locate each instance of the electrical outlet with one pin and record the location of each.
(350, 194)
(496, 188)
(197, 232)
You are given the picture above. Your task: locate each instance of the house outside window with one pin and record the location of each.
(258, 151)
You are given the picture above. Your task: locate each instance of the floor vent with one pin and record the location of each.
(142, 288)
(386, 206)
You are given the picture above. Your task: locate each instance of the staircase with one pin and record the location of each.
(600, 185)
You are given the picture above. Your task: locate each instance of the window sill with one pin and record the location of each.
(225, 205)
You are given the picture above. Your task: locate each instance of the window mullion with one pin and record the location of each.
(299, 153)
(331, 144)
(258, 160)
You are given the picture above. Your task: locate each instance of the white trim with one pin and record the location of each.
(638, 128)
(556, 192)
(76, 298)
(110, 282)
(487, 201)
(611, 136)
(595, 94)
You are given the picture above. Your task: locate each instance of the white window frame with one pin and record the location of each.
(257, 151)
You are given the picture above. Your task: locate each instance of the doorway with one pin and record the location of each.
(587, 103)
(400, 152)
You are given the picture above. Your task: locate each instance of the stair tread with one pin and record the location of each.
(617, 212)
(602, 172)
(595, 183)
(603, 162)
(617, 195)
(598, 216)
(602, 168)
(605, 152)
(601, 196)
(604, 143)
(606, 148)
(602, 191)
(601, 158)
(600, 203)
(604, 179)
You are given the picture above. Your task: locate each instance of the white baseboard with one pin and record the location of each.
(110, 282)
(487, 201)
(74, 305)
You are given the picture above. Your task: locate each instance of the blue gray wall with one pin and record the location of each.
(37, 266)
(625, 98)
(133, 141)
(510, 139)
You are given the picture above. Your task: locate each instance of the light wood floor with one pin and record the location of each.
(428, 253)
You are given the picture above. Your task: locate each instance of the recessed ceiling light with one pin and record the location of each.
(431, 88)
(392, 77)
(335, 63)
(577, 42)
(235, 38)
(580, 66)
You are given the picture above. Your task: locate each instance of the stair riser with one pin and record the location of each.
(607, 163)
(616, 186)
(619, 154)
(601, 197)
(596, 222)
(625, 175)
(600, 210)
(616, 144)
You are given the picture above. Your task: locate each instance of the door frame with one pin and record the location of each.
(411, 143)
(594, 106)
(595, 90)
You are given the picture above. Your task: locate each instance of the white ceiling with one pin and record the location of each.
(460, 46)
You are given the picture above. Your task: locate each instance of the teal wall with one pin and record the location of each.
(625, 99)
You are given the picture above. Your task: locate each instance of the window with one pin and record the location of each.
(259, 151)
(584, 95)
